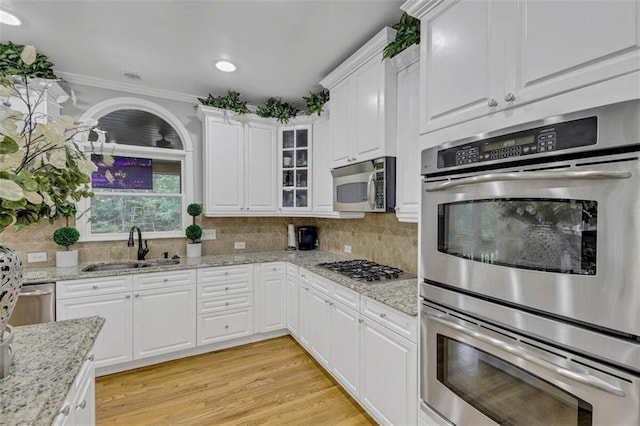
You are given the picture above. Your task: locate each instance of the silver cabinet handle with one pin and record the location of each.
(353, 158)
(492, 103)
(66, 410)
(360, 320)
(330, 303)
(226, 289)
(503, 177)
(91, 357)
(226, 304)
(166, 280)
(95, 287)
(226, 273)
(128, 296)
(226, 326)
(82, 405)
(137, 295)
(578, 376)
(35, 293)
(509, 97)
(383, 315)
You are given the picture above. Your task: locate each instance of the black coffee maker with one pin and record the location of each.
(307, 237)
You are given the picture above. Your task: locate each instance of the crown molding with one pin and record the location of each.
(419, 8)
(127, 87)
(372, 48)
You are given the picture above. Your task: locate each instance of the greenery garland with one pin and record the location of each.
(231, 102)
(275, 108)
(407, 34)
(316, 102)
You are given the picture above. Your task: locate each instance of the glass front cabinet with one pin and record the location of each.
(295, 168)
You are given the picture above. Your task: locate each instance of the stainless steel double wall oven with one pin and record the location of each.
(530, 251)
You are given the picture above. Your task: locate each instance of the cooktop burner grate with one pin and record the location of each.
(364, 270)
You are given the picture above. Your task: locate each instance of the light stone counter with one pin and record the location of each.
(48, 357)
(401, 295)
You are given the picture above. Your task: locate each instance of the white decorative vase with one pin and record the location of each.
(194, 249)
(66, 259)
(10, 283)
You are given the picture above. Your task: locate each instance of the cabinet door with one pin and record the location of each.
(271, 297)
(293, 303)
(164, 320)
(389, 371)
(408, 179)
(223, 326)
(305, 318)
(261, 168)
(223, 167)
(563, 45)
(114, 344)
(322, 162)
(463, 63)
(319, 318)
(341, 123)
(369, 110)
(85, 401)
(345, 347)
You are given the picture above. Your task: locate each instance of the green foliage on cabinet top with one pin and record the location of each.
(408, 33)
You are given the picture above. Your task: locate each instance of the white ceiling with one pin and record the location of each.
(281, 48)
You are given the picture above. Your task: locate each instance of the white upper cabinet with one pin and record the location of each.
(295, 174)
(480, 57)
(240, 164)
(408, 179)
(363, 102)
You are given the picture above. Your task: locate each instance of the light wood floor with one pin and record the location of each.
(269, 382)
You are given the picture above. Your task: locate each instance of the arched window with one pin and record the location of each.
(144, 177)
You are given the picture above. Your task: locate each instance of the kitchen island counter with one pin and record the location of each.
(401, 294)
(48, 357)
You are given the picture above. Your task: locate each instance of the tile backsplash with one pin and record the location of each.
(377, 237)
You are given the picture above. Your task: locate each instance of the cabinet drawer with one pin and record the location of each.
(346, 296)
(224, 273)
(222, 304)
(321, 283)
(163, 279)
(224, 288)
(402, 324)
(273, 268)
(224, 326)
(93, 286)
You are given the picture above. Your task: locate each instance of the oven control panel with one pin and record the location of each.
(539, 140)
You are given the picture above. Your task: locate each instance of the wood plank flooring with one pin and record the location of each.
(270, 382)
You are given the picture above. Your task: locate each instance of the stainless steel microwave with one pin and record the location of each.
(368, 186)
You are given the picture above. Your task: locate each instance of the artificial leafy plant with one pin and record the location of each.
(407, 34)
(275, 108)
(315, 101)
(231, 102)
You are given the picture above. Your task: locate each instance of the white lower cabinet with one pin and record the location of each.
(156, 316)
(368, 347)
(389, 373)
(225, 303)
(271, 296)
(79, 407)
(293, 300)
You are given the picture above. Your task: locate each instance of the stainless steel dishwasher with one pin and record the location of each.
(36, 304)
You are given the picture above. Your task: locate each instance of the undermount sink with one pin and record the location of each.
(117, 266)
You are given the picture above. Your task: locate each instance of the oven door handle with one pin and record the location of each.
(578, 376)
(524, 176)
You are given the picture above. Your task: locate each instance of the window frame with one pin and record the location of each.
(184, 156)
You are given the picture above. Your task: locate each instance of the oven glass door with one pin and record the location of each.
(556, 235)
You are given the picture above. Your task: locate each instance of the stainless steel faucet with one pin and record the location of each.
(142, 252)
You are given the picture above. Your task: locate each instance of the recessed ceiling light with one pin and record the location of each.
(9, 19)
(132, 75)
(225, 66)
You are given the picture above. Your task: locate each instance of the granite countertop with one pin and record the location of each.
(47, 360)
(401, 295)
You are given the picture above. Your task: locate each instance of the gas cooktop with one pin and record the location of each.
(365, 271)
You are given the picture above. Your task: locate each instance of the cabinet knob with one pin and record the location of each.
(91, 357)
(360, 320)
(509, 97)
(95, 287)
(137, 295)
(82, 405)
(226, 289)
(226, 273)
(383, 315)
(303, 275)
(66, 410)
(492, 103)
(226, 304)
(166, 280)
(330, 303)
(128, 296)
(226, 326)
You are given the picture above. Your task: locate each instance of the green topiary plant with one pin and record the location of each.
(193, 231)
(316, 101)
(231, 102)
(275, 108)
(11, 63)
(66, 235)
(408, 33)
